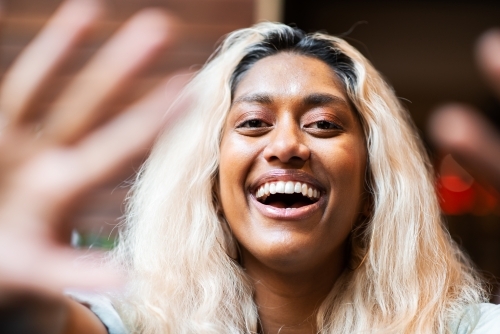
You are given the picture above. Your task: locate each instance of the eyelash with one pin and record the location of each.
(320, 125)
(248, 124)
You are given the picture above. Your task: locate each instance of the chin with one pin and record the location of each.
(286, 251)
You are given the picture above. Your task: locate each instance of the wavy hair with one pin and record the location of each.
(175, 246)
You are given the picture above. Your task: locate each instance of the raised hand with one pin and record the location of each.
(50, 156)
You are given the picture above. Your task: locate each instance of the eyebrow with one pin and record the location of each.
(254, 98)
(320, 99)
(312, 100)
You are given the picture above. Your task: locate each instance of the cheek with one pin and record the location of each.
(346, 166)
(350, 167)
(343, 159)
(237, 157)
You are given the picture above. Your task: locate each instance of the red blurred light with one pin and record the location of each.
(454, 202)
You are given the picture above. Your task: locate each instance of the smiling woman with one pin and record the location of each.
(307, 141)
(304, 143)
(293, 196)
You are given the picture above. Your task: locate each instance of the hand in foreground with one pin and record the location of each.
(461, 130)
(50, 156)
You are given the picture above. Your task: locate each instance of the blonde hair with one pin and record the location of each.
(409, 277)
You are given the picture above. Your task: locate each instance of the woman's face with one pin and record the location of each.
(292, 165)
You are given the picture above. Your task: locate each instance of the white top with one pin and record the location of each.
(488, 321)
(101, 305)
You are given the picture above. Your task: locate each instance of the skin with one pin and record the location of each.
(78, 146)
(45, 312)
(291, 114)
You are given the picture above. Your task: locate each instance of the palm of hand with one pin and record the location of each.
(48, 163)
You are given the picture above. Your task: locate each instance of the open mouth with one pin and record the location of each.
(289, 194)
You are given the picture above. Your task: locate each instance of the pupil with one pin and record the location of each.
(323, 125)
(254, 123)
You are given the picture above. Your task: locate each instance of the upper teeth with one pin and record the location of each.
(288, 187)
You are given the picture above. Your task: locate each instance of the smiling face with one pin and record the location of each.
(292, 164)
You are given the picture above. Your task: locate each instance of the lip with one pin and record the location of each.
(287, 213)
(286, 175)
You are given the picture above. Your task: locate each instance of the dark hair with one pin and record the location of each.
(297, 41)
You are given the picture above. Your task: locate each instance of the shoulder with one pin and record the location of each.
(480, 319)
(100, 304)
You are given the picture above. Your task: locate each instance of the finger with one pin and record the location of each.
(133, 46)
(129, 135)
(38, 264)
(65, 267)
(54, 178)
(473, 142)
(488, 57)
(39, 60)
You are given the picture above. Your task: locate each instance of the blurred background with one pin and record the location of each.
(425, 49)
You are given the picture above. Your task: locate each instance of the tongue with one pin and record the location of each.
(298, 205)
(282, 205)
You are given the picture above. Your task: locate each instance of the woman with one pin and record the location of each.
(220, 238)
(292, 196)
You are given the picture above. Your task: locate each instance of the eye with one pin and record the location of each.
(324, 125)
(253, 123)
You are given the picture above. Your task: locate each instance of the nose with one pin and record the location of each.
(287, 144)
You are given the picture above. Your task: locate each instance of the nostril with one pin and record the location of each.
(287, 142)
(287, 152)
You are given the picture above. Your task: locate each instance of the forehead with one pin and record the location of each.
(287, 74)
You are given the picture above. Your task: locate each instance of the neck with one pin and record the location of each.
(288, 302)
